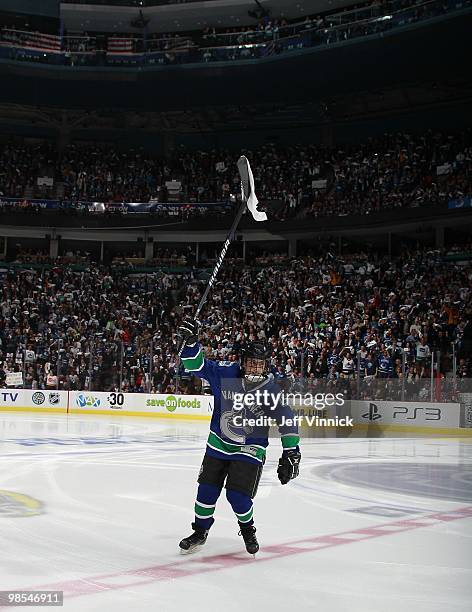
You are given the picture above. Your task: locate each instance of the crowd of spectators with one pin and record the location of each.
(268, 36)
(25, 256)
(392, 171)
(325, 320)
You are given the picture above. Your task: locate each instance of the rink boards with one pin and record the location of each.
(371, 417)
(163, 405)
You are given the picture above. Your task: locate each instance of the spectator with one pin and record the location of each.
(394, 171)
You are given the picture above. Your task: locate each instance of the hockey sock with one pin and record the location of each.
(205, 504)
(242, 506)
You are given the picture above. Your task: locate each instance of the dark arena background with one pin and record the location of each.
(201, 200)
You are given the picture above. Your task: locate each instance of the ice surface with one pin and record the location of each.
(378, 525)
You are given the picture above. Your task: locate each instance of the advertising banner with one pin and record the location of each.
(47, 204)
(466, 403)
(416, 414)
(413, 414)
(33, 400)
(465, 202)
(122, 207)
(141, 404)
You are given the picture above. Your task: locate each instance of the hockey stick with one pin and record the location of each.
(249, 199)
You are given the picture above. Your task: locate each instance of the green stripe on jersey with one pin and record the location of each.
(215, 442)
(192, 364)
(290, 440)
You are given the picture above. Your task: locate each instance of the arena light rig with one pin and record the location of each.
(248, 200)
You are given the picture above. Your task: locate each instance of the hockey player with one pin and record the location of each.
(238, 460)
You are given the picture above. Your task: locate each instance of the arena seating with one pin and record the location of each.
(393, 171)
(99, 327)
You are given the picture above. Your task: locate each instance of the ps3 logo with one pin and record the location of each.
(373, 413)
(430, 414)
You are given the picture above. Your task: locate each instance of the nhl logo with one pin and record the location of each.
(54, 398)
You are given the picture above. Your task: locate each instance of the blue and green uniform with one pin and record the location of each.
(226, 443)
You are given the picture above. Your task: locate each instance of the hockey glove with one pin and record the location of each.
(289, 465)
(188, 331)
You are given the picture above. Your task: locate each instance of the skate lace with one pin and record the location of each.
(195, 537)
(249, 535)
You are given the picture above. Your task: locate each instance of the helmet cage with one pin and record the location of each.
(254, 362)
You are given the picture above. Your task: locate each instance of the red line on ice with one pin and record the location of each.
(213, 563)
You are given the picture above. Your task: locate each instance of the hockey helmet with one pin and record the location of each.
(255, 364)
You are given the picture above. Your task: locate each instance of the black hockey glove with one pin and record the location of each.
(289, 465)
(188, 330)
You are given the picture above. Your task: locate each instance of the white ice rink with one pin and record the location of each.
(379, 525)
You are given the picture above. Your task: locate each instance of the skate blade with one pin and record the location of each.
(190, 550)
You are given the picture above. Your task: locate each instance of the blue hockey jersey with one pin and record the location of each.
(227, 441)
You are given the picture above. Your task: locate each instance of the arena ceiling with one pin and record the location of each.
(332, 110)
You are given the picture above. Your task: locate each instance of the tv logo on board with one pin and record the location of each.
(373, 413)
(8, 396)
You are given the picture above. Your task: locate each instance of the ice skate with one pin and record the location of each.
(194, 541)
(250, 540)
